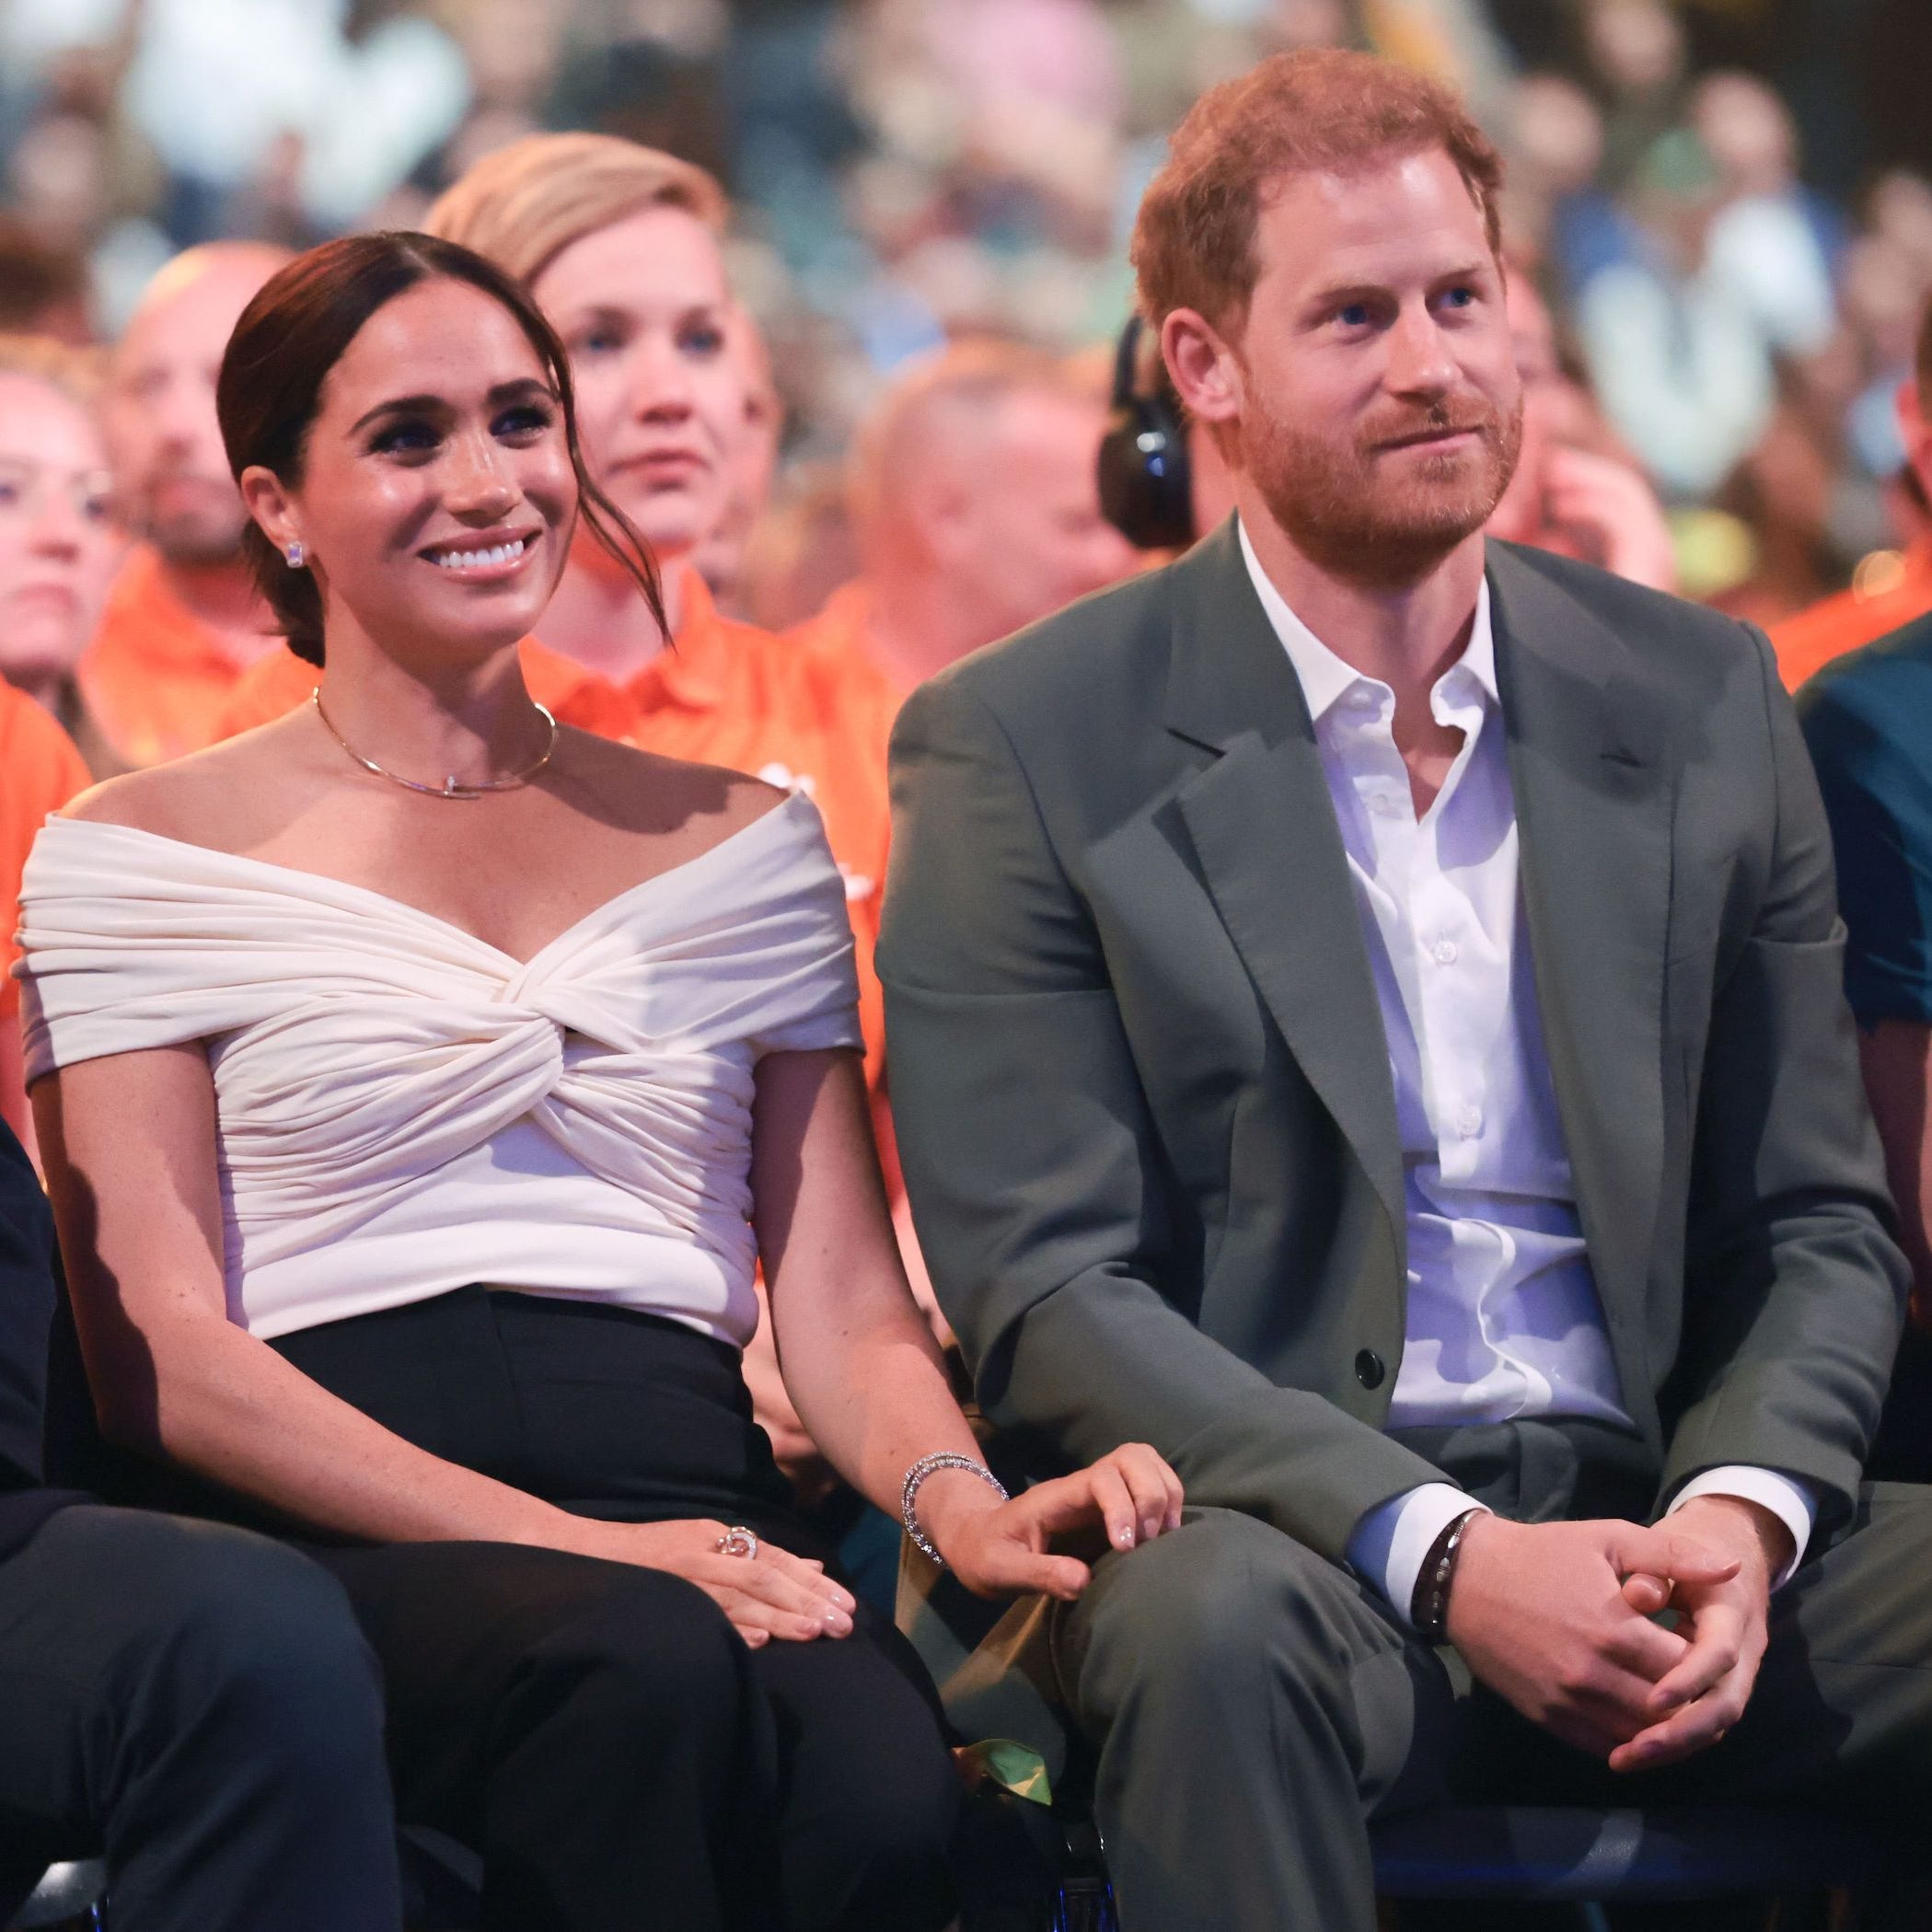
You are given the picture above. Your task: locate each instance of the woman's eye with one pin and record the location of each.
(404, 439)
(703, 339)
(601, 341)
(10, 492)
(527, 419)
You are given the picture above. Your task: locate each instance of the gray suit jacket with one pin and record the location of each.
(1142, 1089)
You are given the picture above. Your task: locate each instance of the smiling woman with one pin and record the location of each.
(422, 1085)
(295, 353)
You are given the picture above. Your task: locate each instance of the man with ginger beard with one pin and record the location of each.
(1364, 1016)
(183, 621)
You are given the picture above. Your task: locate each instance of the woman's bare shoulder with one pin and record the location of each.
(645, 791)
(206, 797)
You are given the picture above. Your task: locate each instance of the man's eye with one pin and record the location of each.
(1459, 298)
(1353, 314)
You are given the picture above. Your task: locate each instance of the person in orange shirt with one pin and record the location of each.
(59, 545)
(39, 772)
(1885, 599)
(183, 620)
(976, 503)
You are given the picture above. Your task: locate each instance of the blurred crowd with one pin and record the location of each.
(1722, 202)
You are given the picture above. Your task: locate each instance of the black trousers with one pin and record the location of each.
(200, 1703)
(597, 1731)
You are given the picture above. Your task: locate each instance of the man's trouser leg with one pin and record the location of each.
(1253, 1706)
(197, 1702)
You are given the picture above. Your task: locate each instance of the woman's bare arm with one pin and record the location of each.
(860, 1360)
(129, 1142)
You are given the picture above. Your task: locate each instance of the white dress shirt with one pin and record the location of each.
(1504, 1319)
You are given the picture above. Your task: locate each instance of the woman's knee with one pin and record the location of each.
(645, 1656)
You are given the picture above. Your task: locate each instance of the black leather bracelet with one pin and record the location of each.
(1428, 1607)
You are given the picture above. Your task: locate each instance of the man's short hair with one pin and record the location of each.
(1322, 111)
(524, 205)
(970, 375)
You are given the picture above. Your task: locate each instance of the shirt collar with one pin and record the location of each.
(1325, 677)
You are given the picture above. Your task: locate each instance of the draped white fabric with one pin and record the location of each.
(403, 1108)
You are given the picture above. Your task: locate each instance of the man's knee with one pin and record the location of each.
(1223, 1608)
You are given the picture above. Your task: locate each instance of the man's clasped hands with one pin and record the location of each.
(1561, 1619)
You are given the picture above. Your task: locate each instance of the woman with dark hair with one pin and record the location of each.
(422, 1082)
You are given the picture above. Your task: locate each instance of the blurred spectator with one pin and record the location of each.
(58, 543)
(1639, 59)
(341, 100)
(183, 620)
(1891, 588)
(1676, 354)
(802, 551)
(1569, 494)
(1782, 493)
(976, 512)
(1770, 241)
(750, 465)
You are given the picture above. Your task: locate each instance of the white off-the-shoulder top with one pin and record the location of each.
(402, 1108)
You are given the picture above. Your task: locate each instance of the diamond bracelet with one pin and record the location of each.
(929, 1465)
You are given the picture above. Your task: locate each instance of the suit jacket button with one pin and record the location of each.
(1369, 1369)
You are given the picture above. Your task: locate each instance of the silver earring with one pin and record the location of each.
(296, 556)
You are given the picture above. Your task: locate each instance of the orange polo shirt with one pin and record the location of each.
(834, 643)
(39, 772)
(1853, 618)
(156, 677)
(726, 694)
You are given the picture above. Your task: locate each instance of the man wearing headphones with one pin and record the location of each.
(1162, 482)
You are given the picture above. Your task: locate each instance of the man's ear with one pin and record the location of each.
(1205, 370)
(268, 503)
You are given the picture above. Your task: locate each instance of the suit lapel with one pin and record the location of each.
(1593, 808)
(1264, 829)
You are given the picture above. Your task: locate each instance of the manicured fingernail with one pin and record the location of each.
(1124, 1536)
(838, 1622)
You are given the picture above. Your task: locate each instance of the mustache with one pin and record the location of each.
(1441, 419)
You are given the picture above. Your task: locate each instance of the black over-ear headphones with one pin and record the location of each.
(1146, 491)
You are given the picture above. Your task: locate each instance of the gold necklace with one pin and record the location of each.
(449, 788)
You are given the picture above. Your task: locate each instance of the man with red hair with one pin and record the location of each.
(1363, 1015)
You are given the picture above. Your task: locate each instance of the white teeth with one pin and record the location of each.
(472, 560)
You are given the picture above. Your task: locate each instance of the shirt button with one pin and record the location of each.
(1444, 951)
(1469, 1122)
(1369, 1369)
(1361, 699)
(1384, 805)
